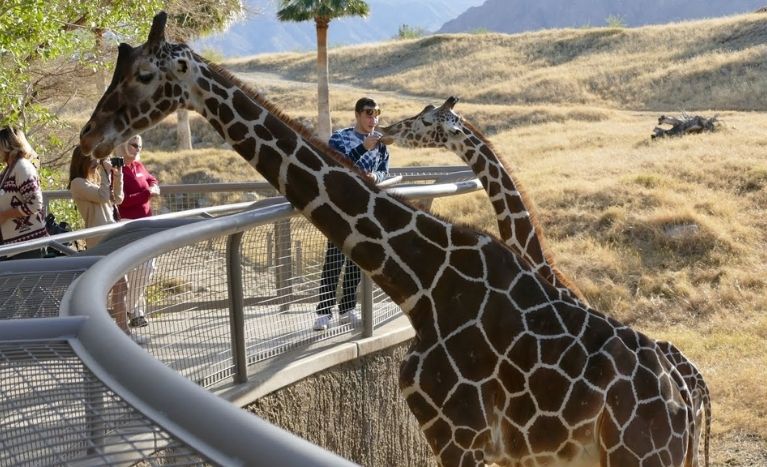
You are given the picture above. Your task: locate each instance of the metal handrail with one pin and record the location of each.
(440, 174)
(409, 174)
(216, 428)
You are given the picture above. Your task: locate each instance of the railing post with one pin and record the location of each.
(367, 306)
(299, 269)
(236, 306)
(283, 262)
(94, 406)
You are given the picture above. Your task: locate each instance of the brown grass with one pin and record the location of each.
(701, 64)
(668, 236)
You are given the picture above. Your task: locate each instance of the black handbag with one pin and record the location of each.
(54, 227)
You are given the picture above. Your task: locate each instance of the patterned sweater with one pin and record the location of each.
(349, 143)
(21, 190)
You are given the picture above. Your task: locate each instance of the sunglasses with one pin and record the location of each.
(136, 146)
(372, 112)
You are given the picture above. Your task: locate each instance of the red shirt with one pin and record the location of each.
(136, 183)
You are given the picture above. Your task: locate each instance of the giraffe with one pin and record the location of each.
(500, 370)
(442, 127)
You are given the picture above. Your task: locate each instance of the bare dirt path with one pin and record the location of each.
(258, 78)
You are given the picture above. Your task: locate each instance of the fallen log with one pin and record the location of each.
(684, 125)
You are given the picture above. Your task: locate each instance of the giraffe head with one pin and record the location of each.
(432, 127)
(140, 94)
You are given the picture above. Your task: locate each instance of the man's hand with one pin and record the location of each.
(371, 140)
(11, 213)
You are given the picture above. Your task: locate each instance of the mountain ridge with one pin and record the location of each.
(264, 33)
(713, 63)
(513, 16)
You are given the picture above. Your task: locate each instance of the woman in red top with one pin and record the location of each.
(138, 184)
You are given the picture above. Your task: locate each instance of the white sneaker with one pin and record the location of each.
(140, 339)
(322, 323)
(351, 318)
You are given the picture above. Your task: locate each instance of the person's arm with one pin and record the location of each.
(29, 191)
(117, 186)
(360, 155)
(89, 191)
(381, 170)
(154, 184)
(337, 142)
(375, 163)
(136, 191)
(10, 213)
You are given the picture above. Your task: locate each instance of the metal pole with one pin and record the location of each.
(236, 306)
(367, 306)
(284, 263)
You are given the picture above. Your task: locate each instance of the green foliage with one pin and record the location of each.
(406, 31)
(65, 210)
(305, 10)
(40, 32)
(196, 18)
(615, 21)
(51, 50)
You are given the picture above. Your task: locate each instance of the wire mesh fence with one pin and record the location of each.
(54, 411)
(187, 300)
(24, 295)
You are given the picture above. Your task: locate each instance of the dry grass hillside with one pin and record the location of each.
(698, 65)
(666, 235)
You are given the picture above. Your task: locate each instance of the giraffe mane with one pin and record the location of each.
(567, 282)
(305, 133)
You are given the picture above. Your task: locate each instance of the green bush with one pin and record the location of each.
(406, 31)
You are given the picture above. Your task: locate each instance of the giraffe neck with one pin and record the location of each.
(398, 246)
(516, 224)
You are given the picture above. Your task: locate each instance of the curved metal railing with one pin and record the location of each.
(233, 291)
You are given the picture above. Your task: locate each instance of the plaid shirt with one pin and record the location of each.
(349, 143)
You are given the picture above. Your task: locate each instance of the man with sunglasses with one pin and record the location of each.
(362, 146)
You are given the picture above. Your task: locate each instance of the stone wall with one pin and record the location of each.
(355, 410)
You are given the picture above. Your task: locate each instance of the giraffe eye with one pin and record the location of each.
(145, 78)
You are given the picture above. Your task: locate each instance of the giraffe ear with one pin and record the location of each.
(123, 50)
(157, 33)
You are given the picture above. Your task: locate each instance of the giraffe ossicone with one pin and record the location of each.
(501, 370)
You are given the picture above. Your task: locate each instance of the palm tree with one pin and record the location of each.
(322, 11)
